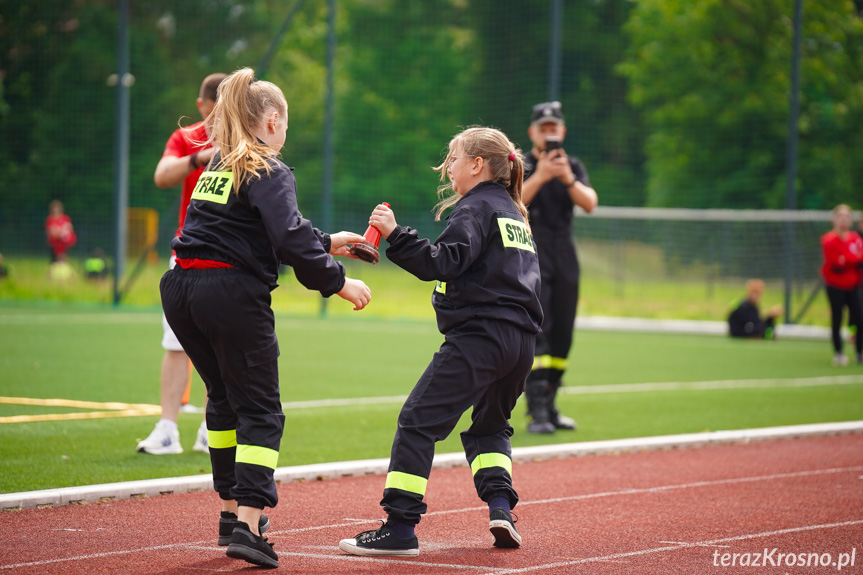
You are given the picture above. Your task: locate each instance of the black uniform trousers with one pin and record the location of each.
(481, 364)
(223, 319)
(839, 300)
(559, 270)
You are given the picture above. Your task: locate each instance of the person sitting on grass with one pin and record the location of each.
(746, 320)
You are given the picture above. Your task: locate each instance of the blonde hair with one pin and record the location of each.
(495, 149)
(241, 107)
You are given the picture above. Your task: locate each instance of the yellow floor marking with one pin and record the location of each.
(117, 409)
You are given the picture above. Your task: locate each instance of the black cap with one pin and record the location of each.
(546, 112)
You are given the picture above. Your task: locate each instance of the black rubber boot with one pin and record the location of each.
(558, 420)
(538, 397)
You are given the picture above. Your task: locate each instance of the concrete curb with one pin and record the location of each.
(152, 487)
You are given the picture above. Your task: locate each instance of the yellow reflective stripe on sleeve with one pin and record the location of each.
(406, 482)
(257, 455)
(486, 460)
(222, 439)
(440, 287)
(514, 234)
(549, 362)
(214, 187)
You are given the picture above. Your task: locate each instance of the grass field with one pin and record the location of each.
(645, 290)
(101, 355)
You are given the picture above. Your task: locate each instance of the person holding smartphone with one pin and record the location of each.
(554, 183)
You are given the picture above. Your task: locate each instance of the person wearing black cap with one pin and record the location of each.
(553, 184)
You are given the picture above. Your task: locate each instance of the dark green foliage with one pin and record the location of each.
(712, 80)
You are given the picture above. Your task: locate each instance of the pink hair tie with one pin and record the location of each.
(512, 156)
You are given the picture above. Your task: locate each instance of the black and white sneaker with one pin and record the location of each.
(380, 542)
(228, 520)
(502, 527)
(253, 548)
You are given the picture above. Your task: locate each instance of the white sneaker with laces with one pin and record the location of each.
(202, 444)
(163, 440)
(840, 359)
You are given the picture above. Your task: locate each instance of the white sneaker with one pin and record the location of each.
(840, 359)
(202, 444)
(163, 440)
(189, 408)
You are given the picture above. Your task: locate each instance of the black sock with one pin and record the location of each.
(499, 503)
(401, 530)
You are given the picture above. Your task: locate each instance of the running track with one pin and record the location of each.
(648, 512)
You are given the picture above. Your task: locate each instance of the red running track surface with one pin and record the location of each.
(780, 506)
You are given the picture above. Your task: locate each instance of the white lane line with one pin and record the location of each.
(675, 547)
(633, 491)
(93, 556)
(663, 488)
(339, 556)
(616, 388)
(79, 319)
(718, 384)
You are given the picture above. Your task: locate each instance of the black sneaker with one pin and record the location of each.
(253, 548)
(228, 520)
(380, 542)
(502, 527)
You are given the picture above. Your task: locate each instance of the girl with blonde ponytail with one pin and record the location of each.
(241, 226)
(487, 305)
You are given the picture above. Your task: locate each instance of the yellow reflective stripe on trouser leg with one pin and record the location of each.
(549, 362)
(406, 482)
(486, 460)
(257, 455)
(222, 439)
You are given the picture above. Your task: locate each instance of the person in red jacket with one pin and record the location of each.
(59, 231)
(186, 155)
(843, 259)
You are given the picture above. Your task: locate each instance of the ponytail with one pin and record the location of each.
(241, 107)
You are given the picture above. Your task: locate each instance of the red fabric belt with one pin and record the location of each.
(196, 264)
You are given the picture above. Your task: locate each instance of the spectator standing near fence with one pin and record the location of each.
(59, 231)
(843, 258)
(186, 154)
(554, 184)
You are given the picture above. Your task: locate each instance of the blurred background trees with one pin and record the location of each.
(668, 102)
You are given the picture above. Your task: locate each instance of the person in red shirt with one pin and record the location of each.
(843, 259)
(183, 161)
(59, 231)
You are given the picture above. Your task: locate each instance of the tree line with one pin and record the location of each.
(668, 102)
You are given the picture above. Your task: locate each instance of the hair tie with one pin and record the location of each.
(512, 156)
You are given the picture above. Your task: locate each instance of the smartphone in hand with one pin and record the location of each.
(552, 144)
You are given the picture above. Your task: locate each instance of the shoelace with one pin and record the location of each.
(372, 534)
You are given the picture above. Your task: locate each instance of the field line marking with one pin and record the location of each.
(717, 384)
(117, 409)
(73, 403)
(615, 388)
(79, 416)
(675, 547)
